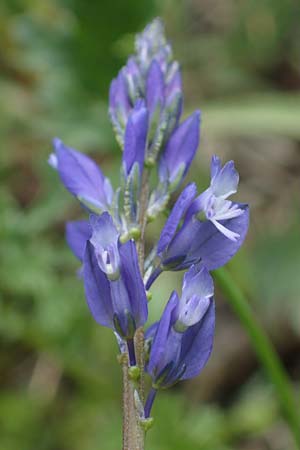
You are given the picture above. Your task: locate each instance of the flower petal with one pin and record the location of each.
(119, 104)
(135, 137)
(197, 343)
(132, 278)
(158, 347)
(174, 82)
(228, 233)
(178, 255)
(212, 247)
(80, 175)
(197, 281)
(154, 87)
(105, 241)
(225, 181)
(179, 209)
(197, 289)
(215, 166)
(191, 311)
(97, 289)
(77, 234)
(150, 332)
(104, 231)
(182, 146)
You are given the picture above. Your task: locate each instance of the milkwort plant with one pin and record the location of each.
(203, 231)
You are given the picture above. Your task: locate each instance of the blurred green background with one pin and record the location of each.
(60, 384)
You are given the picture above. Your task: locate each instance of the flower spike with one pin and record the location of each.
(201, 233)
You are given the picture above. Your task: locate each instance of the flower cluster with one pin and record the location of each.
(203, 231)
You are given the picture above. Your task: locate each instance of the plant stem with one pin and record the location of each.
(264, 350)
(125, 433)
(139, 337)
(133, 434)
(140, 361)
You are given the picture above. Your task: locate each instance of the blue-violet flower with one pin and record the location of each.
(183, 338)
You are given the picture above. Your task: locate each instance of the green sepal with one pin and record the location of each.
(157, 140)
(117, 326)
(179, 327)
(89, 205)
(154, 122)
(115, 205)
(131, 88)
(130, 329)
(175, 183)
(146, 423)
(159, 199)
(118, 130)
(120, 119)
(149, 162)
(173, 264)
(163, 375)
(172, 113)
(131, 193)
(158, 384)
(134, 233)
(147, 349)
(201, 216)
(134, 373)
(124, 237)
(131, 325)
(113, 276)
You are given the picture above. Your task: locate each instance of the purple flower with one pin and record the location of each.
(135, 138)
(82, 177)
(133, 78)
(119, 105)
(155, 88)
(150, 75)
(173, 82)
(183, 338)
(180, 151)
(160, 72)
(150, 43)
(208, 229)
(213, 204)
(113, 284)
(104, 239)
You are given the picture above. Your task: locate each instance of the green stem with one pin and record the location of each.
(133, 433)
(264, 350)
